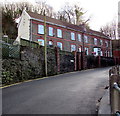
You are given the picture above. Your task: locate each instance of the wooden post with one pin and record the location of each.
(45, 44)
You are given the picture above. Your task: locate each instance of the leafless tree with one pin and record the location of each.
(73, 14)
(110, 29)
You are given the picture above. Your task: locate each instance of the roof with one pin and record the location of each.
(65, 24)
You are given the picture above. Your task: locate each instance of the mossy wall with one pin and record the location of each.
(31, 64)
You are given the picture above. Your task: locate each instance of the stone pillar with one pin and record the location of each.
(79, 60)
(83, 60)
(75, 61)
(57, 59)
(99, 61)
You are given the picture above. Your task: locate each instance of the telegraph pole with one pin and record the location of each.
(83, 46)
(45, 44)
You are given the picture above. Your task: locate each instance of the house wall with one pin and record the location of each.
(66, 39)
(24, 26)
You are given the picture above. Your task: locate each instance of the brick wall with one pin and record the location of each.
(66, 39)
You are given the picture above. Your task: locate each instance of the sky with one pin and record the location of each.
(101, 12)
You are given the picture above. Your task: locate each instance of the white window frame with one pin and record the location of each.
(85, 38)
(73, 47)
(60, 45)
(101, 42)
(59, 33)
(50, 31)
(41, 29)
(106, 42)
(80, 37)
(72, 36)
(95, 41)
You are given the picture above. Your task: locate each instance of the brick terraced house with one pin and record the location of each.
(66, 36)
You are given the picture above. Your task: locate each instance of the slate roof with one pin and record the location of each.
(66, 25)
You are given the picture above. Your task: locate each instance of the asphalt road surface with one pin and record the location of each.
(71, 93)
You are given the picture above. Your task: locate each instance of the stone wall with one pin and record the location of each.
(67, 60)
(31, 64)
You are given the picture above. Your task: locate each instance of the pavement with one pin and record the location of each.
(72, 93)
(104, 107)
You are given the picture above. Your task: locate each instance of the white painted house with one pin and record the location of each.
(24, 27)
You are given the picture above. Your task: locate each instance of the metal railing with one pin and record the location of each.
(117, 113)
(115, 85)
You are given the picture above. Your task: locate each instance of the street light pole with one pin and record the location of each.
(45, 44)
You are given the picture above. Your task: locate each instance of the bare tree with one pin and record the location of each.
(73, 14)
(66, 14)
(110, 29)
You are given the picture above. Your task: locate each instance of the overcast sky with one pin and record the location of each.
(100, 11)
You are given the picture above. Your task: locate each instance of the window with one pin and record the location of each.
(73, 48)
(79, 49)
(86, 50)
(50, 43)
(59, 33)
(41, 42)
(95, 41)
(40, 29)
(98, 51)
(106, 55)
(59, 44)
(101, 42)
(72, 36)
(101, 53)
(79, 37)
(106, 43)
(85, 39)
(50, 31)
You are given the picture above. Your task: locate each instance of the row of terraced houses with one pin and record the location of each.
(66, 36)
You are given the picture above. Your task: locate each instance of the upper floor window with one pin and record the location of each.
(50, 31)
(59, 44)
(86, 39)
(41, 42)
(101, 42)
(40, 29)
(72, 36)
(95, 41)
(79, 37)
(73, 48)
(59, 33)
(106, 43)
